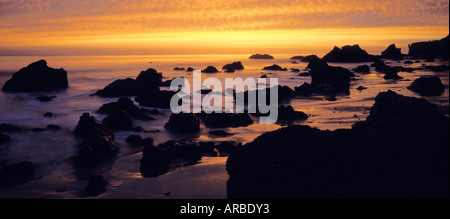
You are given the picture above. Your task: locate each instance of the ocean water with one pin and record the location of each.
(51, 150)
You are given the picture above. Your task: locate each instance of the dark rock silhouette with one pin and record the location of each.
(362, 69)
(436, 68)
(328, 79)
(306, 58)
(304, 90)
(45, 98)
(428, 86)
(37, 77)
(220, 133)
(4, 139)
(287, 113)
(225, 120)
(233, 66)
(391, 52)
(160, 99)
(96, 186)
(227, 147)
(53, 127)
(156, 160)
(361, 88)
(89, 124)
(119, 121)
(430, 60)
(134, 139)
(400, 151)
(125, 104)
(295, 70)
(430, 49)
(183, 122)
(381, 67)
(210, 69)
(392, 75)
(16, 174)
(147, 81)
(304, 74)
(190, 69)
(49, 115)
(179, 69)
(348, 54)
(274, 67)
(8, 128)
(259, 56)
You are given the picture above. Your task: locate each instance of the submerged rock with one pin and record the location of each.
(159, 99)
(348, 54)
(125, 104)
(45, 98)
(16, 174)
(362, 69)
(306, 58)
(179, 69)
(220, 133)
(37, 77)
(4, 139)
(400, 151)
(259, 56)
(428, 86)
(183, 122)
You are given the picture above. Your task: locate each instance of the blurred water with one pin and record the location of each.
(52, 150)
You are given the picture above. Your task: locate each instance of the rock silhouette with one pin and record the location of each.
(125, 104)
(37, 77)
(233, 66)
(183, 122)
(96, 186)
(403, 138)
(428, 86)
(430, 49)
(348, 54)
(306, 58)
(391, 52)
(365, 69)
(329, 79)
(16, 174)
(275, 67)
(210, 69)
(260, 56)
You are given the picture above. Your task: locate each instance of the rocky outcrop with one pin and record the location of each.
(233, 66)
(210, 69)
(306, 58)
(430, 49)
(120, 121)
(400, 151)
(275, 67)
(159, 99)
(37, 77)
(365, 69)
(329, 79)
(348, 54)
(183, 122)
(391, 52)
(96, 186)
(428, 86)
(259, 56)
(125, 104)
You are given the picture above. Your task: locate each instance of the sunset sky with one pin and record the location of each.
(30, 27)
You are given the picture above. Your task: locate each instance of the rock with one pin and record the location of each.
(88, 124)
(37, 130)
(391, 52)
(275, 67)
(125, 104)
(210, 69)
(259, 56)
(160, 99)
(295, 70)
(430, 60)
(45, 98)
(157, 160)
(183, 122)
(94, 150)
(304, 74)
(233, 66)
(348, 54)
(8, 128)
(147, 81)
(53, 127)
(392, 75)
(229, 71)
(134, 139)
(361, 88)
(96, 186)
(331, 98)
(408, 62)
(430, 49)
(263, 76)
(226, 120)
(49, 115)
(381, 67)
(328, 79)
(37, 77)
(119, 121)
(362, 69)
(436, 68)
(190, 69)
(428, 86)
(179, 69)
(220, 133)
(16, 174)
(287, 113)
(227, 147)
(306, 58)
(4, 139)
(400, 151)
(304, 90)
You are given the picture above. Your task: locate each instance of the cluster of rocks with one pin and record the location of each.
(260, 56)
(400, 151)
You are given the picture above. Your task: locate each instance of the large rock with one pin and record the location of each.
(183, 122)
(37, 77)
(159, 99)
(16, 174)
(391, 52)
(428, 86)
(365, 69)
(329, 79)
(260, 56)
(147, 81)
(275, 67)
(210, 69)
(430, 49)
(233, 66)
(348, 54)
(306, 58)
(89, 124)
(119, 121)
(400, 151)
(125, 104)
(96, 186)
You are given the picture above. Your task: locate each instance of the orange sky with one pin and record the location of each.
(215, 26)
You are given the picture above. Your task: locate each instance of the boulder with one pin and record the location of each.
(287, 113)
(95, 149)
(391, 52)
(328, 79)
(400, 151)
(89, 124)
(148, 81)
(348, 54)
(183, 122)
(16, 174)
(159, 99)
(233, 66)
(45, 98)
(365, 69)
(119, 121)
(220, 133)
(210, 69)
(125, 104)
(259, 56)
(274, 67)
(37, 77)
(8, 128)
(179, 69)
(428, 86)
(96, 186)
(392, 75)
